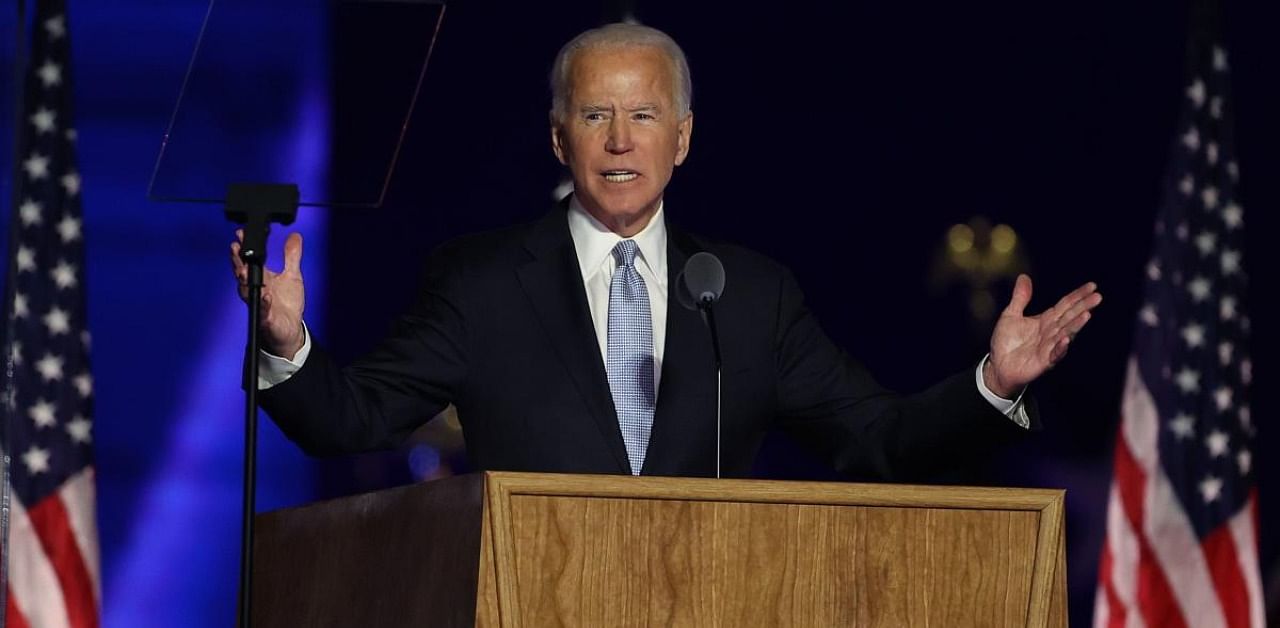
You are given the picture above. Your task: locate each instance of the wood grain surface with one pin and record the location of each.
(506, 549)
(406, 556)
(606, 551)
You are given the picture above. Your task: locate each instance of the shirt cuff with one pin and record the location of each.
(273, 369)
(1014, 409)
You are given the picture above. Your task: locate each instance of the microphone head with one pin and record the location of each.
(702, 281)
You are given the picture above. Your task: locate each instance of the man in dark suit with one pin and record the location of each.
(563, 347)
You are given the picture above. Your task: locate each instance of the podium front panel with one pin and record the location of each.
(643, 551)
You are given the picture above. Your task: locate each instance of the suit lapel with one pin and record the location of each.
(553, 283)
(686, 394)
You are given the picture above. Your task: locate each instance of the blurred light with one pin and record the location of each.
(1003, 238)
(424, 461)
(982, 304)
(960, 238)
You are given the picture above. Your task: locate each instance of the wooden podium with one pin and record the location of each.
(521, 549)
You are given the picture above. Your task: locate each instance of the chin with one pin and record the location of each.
(630, 214)
(611, 211)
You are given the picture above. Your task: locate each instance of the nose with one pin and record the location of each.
(619, 139)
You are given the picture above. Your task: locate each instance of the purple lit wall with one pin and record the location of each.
(168, 328)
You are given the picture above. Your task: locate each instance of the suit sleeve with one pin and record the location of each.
(831, 404)
(376, 402)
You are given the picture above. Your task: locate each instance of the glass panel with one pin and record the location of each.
(261, 76)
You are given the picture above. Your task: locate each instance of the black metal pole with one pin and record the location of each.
(256, 206)
(250, 441)
(708, 313)
(706, 306)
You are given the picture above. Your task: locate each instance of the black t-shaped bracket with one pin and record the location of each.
(257, 206)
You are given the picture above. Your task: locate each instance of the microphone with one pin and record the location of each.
(699, 287)
(704, 278)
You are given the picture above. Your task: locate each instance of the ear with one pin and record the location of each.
(557, 140)
(684, 132)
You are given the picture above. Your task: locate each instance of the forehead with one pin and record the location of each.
(621, 72)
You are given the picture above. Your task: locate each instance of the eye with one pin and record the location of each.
(644, 117)
(595, 116)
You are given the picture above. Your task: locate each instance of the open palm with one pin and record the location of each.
(1024, 347)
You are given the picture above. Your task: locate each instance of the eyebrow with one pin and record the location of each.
(640, 107)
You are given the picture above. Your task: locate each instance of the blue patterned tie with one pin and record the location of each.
(630, 361)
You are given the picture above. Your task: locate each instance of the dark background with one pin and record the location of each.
(843, 139)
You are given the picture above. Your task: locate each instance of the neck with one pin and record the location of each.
(626, 226)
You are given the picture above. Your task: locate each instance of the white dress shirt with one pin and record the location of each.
(594, 244)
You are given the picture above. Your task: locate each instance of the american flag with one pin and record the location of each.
(1182, 520)
(52, 578)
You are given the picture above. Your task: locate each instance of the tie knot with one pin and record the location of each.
(625, 252)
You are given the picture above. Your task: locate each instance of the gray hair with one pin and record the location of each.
(620, 35)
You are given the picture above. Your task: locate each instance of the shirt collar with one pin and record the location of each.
(594, 242)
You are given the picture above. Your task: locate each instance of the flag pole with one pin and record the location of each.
(19, 92)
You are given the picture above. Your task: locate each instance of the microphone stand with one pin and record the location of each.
(708, 314)
(255, 206)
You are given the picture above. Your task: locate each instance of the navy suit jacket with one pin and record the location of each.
(502, 330)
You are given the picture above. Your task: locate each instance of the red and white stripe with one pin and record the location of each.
(1154, 571)
(54, 572)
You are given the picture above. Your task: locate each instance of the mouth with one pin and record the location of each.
(620, 176)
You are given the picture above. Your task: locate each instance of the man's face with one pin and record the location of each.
(622, 135)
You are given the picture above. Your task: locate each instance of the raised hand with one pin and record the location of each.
(1024, 347)
(283, 297)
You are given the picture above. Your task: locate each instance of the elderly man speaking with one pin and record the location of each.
(564, 347)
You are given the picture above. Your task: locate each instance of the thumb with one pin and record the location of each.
(1021, 296)
(293, 254)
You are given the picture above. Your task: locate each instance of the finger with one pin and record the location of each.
(293, 254)
(237, 265)
(240, 235)
(265, 313)
(1066, 317)
(1075, 296)
(1077, 324)
(1021, 296)
(241, 279)
(1079, 294)
(1049, 349)
(1066, 308)
(238, 269)
(1067, 332)
(1059, 350)
(1083, 315)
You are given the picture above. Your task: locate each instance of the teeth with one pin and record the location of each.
(619, 177)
